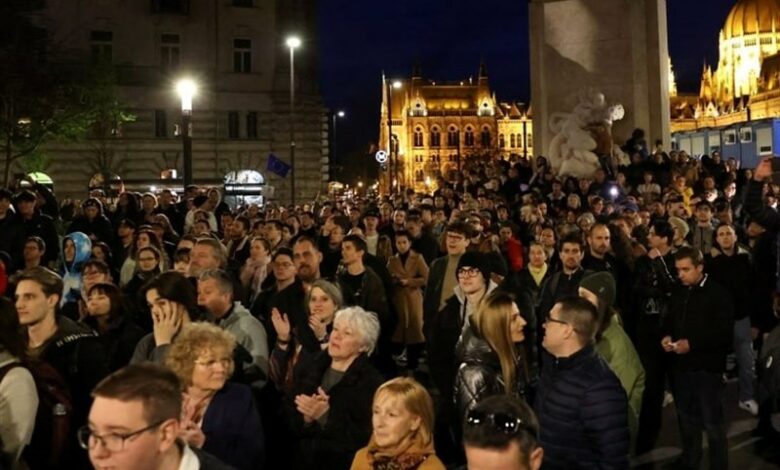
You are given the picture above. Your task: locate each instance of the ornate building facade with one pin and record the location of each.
(235, 50)
(745, 85)
(437, 126)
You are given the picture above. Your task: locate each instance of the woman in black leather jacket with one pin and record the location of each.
(491, 360)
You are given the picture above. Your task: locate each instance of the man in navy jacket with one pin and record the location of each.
(581, 406)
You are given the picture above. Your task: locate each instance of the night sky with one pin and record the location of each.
(448, 38)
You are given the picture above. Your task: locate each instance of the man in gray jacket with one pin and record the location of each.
(215, 295)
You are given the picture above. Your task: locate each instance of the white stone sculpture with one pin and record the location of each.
(579, 135)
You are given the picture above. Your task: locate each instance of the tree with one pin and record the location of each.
(40, 100)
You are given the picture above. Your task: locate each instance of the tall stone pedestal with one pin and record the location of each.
(618, 47)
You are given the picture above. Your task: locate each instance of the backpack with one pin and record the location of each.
(53, 419)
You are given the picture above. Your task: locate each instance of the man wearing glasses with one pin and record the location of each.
(134, 423)
(502, 433)
(582, 408)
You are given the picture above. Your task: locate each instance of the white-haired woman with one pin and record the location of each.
(333, 391)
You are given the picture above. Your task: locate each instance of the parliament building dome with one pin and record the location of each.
(749, 17)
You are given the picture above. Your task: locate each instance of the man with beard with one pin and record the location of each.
(307, 258)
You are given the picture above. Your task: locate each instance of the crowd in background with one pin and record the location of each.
(507, 314)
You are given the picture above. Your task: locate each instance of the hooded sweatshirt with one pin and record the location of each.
(71, 271)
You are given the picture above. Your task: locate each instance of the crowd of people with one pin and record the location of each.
(508, 319)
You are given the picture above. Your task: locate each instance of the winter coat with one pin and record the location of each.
(18, 406)
(71, 271)
(408, 300)
(737, 275)
(234, 433)
(12, 237)
(119, 341)
(98, 229)
(41, 225)
(479, 374)
(617, 349)
(250, 334)
(704, 315)
(583, 413)
(432, 296)
(348, 426)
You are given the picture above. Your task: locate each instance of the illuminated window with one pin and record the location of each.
(469, 137)
(418, 137)
(435, 137)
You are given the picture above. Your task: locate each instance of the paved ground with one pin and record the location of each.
(746, 452)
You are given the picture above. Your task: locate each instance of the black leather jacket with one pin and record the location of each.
(479, 374)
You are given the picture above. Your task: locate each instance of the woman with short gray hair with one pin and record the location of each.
(332, 393)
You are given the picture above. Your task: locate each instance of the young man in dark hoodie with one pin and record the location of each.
(93, 222)
(73, 352)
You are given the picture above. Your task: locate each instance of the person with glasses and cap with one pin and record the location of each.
(581, 405)
(135, 422)
(501, 432)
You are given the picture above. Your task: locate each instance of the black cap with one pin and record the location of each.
(25, 195)
(475, 259)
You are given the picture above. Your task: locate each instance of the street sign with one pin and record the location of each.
(381, 156)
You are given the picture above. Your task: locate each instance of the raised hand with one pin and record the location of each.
(281, 325)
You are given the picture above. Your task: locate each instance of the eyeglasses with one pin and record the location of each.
(112, 442)
(224, 362)
(549, 318)
(505, 423)
(468, 272)
(284, 265)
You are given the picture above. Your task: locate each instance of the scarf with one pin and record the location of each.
(409, 455)
(538, 273)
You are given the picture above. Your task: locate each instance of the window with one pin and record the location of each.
(169, 51)
(101, 46)
(243, 3)
(418, 137)
(730, 137)
(501, 141)
(181, 7)
(435, 137)
(233, 124)
(512, 141)
(160, 123)
(529, 141)
(746, 135)
(242, 55)
(469, 137)
(251, 125)
(419, 176)
(485, 137)
(453, 137)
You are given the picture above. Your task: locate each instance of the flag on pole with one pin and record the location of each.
(277, 167)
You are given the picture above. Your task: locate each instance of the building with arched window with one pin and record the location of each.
(467, 112)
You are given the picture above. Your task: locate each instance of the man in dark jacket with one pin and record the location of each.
(731, 266)
(581, 406)
(655, 280)
(38, 224)
(698, 333)
(363, 287)
(11, 235)
(143, 399)
(70, 349)
(93, 222)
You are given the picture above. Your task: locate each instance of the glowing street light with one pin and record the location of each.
(292, 42)
(186, 88)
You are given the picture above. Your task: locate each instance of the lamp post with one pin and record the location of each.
(336, 116)
(293, 42)
(396, 84)
(186, 88)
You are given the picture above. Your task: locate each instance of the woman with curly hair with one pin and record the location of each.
(218, 416)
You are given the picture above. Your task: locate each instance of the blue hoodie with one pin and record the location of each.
(71, 272)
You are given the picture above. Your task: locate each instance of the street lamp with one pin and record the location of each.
(186, 88)
(293, 42)
(395, 85)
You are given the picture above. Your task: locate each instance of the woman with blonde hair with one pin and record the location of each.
(218, 416)
(491, 360)
(402, 420)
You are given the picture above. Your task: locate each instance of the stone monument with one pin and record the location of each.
(617, 47)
